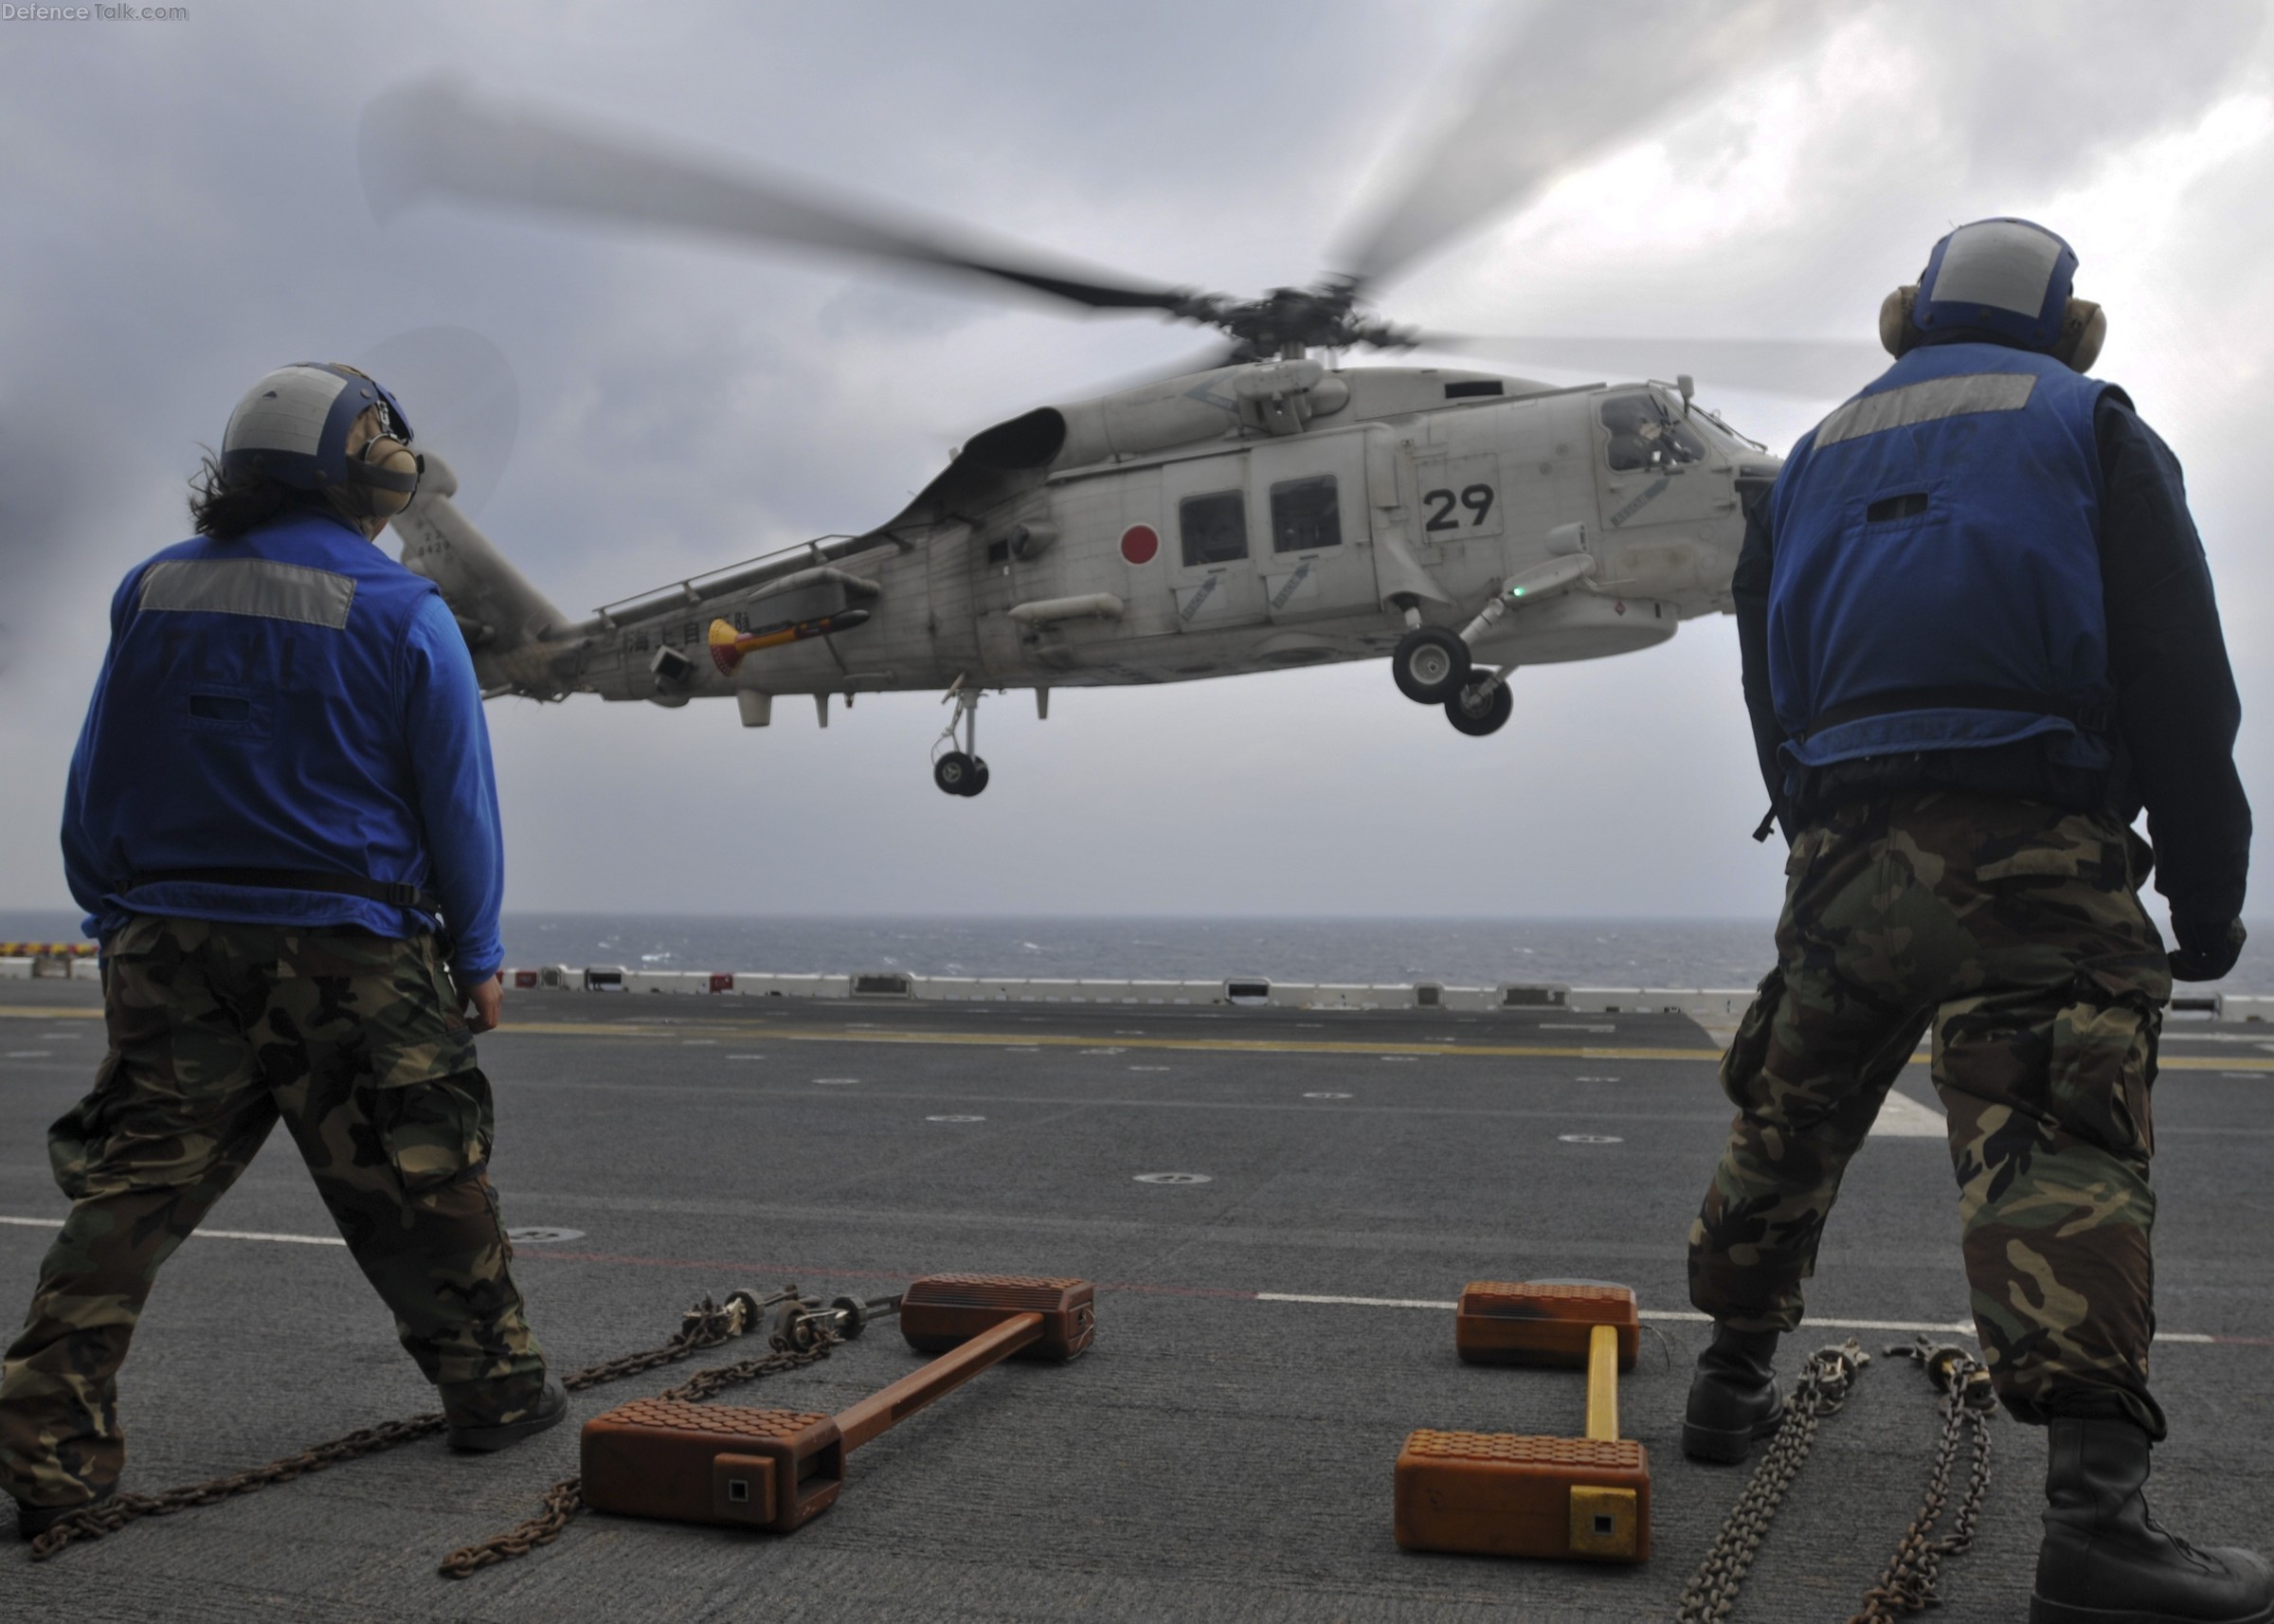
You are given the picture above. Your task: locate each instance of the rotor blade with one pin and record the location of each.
(1569, 85)
(1805, 368)
(457, 389)
(434, 137)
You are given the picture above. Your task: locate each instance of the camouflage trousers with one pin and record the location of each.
(2014, 932)
(216, 1032)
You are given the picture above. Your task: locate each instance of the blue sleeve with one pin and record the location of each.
(457, 788)
(82, 863)
(81, 869)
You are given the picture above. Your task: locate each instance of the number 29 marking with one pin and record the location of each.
(1476, 498)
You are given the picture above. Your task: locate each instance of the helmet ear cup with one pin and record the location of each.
(386, 475)
(2084, 329)
(1896, 334)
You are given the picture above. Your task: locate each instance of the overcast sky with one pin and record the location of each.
(183, 212)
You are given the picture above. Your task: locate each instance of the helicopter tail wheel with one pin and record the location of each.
(1482, 705)
(1429, 665)
(958, 775)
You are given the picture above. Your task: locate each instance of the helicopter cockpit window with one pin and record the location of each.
(1306, 514)
(1215, 527)
(1646, 433)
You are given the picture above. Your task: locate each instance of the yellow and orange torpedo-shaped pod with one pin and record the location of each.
(726, 647)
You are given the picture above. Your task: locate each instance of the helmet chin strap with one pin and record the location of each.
(2084, 329)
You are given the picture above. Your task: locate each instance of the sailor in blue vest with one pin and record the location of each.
(1979, 639)
(282, 824)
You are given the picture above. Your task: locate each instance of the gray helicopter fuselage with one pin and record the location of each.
(1244, 519)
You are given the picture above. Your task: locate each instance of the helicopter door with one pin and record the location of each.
(1211, 544)
(1307, 513)
(1657, 475)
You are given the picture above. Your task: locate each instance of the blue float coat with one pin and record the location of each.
(2176, 709)
(1938, 564)
(304, 703)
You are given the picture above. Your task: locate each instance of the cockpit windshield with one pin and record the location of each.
(1646, 433)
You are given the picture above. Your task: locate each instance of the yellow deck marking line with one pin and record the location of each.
(998, 1040)
(1235, 1045)
(1221, 1045)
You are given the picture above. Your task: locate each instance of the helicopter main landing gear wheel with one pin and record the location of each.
(960, 774)
(1483, 704)
(1430, 664)
(959, 770)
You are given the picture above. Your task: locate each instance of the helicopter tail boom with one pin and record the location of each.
(505, 619)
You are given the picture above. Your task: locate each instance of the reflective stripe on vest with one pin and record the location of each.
(259, 588)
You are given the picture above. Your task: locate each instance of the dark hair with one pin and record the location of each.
(225, 508)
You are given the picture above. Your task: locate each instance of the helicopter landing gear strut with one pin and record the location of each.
(959, 770)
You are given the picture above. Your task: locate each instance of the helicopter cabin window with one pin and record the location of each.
(1214, 527)
(1646, 433)
(1306, 513)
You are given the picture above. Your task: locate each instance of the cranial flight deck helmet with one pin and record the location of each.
(295, 424)
(1998, 282)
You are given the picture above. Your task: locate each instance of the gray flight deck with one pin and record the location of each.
(1219, 1454)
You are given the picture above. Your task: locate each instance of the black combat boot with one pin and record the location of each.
(34, 1521)
(550, 1406)
(1733, 1400)
(2106, 1561)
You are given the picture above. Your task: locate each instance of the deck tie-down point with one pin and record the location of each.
(1586, 1498)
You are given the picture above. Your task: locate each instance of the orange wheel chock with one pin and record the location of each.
(778, 1470)
(1586, 1499)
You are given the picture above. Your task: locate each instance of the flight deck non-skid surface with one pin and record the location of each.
(1223, 1451)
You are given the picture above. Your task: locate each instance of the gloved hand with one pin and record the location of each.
(2207, 949)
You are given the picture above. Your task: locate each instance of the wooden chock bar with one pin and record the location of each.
(881, 1411)
(1602, 1384)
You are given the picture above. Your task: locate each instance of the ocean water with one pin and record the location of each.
(1462, 952)
(1473, 952)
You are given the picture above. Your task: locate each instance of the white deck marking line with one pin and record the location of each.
(1902, 1117)
(202, 1234)
(1686, 1315)
(1682, 1314)
(1444, 1306)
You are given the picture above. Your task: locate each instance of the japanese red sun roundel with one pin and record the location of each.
(1140, 544)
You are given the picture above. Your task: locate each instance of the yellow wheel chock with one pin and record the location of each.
(1504, 1494)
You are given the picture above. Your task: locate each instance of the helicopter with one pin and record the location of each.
(1266, 508)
